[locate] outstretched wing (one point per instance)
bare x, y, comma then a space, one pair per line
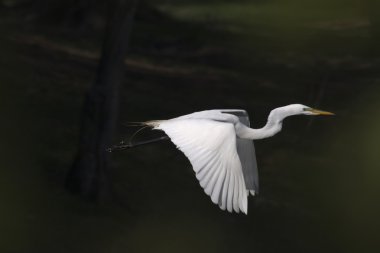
211, 148
246, 151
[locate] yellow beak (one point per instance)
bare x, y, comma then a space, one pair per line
319, 112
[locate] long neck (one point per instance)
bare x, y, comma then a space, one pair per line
272, 127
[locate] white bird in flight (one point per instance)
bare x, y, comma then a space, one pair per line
219, 145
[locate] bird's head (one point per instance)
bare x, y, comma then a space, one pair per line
307, 110
298, 109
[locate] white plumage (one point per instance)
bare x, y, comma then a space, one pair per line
209, 140
211, 148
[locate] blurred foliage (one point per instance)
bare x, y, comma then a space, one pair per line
319, 177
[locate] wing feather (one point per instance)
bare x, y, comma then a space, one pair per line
230, 192
211, 148
236, 194
211, 184
217, 191
204, 173
246, 152
210, 170
223, 199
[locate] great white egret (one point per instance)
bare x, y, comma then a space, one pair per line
218, 144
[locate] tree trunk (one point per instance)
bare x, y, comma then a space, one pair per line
88, 175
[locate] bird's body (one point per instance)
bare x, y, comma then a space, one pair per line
211, 140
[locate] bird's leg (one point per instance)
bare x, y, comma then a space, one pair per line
122, 145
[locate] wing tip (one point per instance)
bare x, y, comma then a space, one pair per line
243, 210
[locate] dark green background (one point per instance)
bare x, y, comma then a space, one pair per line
320, 177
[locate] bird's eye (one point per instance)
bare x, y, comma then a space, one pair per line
306, 109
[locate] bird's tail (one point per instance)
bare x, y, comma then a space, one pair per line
151, 123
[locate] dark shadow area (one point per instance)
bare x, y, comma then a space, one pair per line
319, 177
